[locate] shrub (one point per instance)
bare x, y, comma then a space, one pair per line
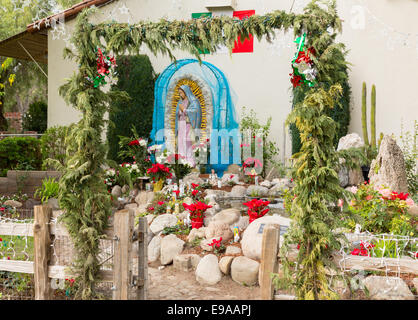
381, 211
35, 119
137, 78
20, 153
49, 189
270, 150
53, 145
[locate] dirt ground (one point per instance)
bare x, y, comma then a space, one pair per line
171, 284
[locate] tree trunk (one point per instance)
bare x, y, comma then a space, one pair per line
3, 121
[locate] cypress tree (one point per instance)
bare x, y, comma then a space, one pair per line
136, 77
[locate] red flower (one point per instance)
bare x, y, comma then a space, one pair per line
194, 185
160, 203
400, 196
1, 239
256, 208
151, 208
298, 246
177, 192
216, 243
2, 209
195, 192
295, 80
134, 143
8, 258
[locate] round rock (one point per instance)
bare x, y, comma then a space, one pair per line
253, 236
207, 271
245, 271
162, 221
170, 247
228, 216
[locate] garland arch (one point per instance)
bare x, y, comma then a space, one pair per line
84, 197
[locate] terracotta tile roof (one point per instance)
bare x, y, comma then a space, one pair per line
12, 115
69, 14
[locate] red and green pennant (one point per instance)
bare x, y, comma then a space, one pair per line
240, 46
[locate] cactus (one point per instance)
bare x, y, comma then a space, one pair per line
364, 114
373, 117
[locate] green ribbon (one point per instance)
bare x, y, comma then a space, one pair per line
300, 41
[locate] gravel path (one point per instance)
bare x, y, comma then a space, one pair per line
171, 284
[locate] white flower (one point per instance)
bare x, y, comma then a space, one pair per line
135, 167
142, 142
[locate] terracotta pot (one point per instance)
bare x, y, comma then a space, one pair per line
197, 224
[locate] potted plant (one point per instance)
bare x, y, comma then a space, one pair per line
158, 173
256, 208
197, 213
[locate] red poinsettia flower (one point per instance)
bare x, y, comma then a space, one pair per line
134, 143
216, 243
195, 192
256, 208
160, 203
177, 192
151, 209
194, 185
2, 209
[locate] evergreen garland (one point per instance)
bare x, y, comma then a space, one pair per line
84, 196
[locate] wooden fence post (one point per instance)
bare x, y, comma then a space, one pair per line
122, 260
142, 280
42, 241
269, 263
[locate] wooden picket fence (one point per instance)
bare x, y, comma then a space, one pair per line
270, 263
128, 273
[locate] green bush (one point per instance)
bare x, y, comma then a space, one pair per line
35, 119
53, 146
137, 78
20, 153
49, 189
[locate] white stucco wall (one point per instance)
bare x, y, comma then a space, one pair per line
261, 79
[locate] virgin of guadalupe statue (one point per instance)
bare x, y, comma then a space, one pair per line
188, 122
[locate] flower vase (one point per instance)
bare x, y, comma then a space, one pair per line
158, 186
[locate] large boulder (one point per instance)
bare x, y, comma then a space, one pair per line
352, 140
233, 169
252, 237
196, 233
266, 184
229, 177
238, 191
219, 229
387, 288
170, 247
257, 191
144, 197
116, 191
207, 271
232, 250
16, 204
228, 216
225, 264
193, 178
388, 168
162, 221
350, 177
154, 249
245, 271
